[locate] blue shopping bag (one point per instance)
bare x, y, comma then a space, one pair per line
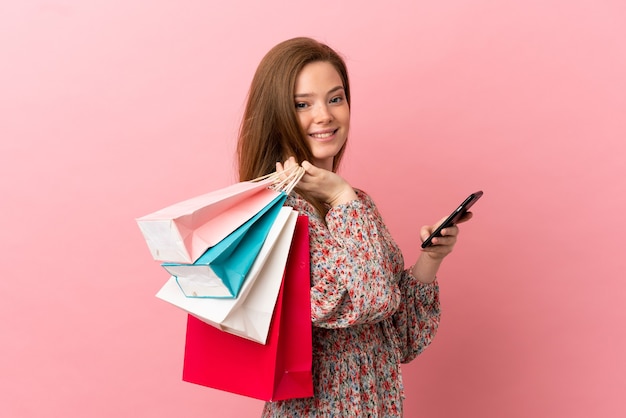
221, 271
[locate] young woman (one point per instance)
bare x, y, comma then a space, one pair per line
369, 314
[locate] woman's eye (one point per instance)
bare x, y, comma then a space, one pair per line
301, 105
337, 99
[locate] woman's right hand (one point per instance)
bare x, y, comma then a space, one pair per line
321, 184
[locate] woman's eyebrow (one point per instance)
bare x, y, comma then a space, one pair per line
334, 89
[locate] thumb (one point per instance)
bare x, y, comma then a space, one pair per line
425, 232
308, 167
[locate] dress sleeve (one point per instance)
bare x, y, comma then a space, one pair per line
354, 268
417, 318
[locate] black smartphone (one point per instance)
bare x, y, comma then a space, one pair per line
454, 217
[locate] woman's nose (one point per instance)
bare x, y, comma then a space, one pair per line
323, 114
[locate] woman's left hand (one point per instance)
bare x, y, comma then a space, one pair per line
428, 263
443, 245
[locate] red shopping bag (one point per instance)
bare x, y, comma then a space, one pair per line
280, 369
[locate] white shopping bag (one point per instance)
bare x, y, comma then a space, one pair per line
249, 315
182, 232
222, 270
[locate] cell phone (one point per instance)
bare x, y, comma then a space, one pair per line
454, 217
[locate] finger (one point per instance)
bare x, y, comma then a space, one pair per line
308, 167
466, 217
279, 166
290, 164
444, 242
447, 236
441, 245
451, 231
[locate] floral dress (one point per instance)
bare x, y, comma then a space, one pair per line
368, 313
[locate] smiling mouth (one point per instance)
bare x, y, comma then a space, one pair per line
323, 135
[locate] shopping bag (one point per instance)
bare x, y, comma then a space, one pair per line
278, 370
249, 315
182, 232
221, 270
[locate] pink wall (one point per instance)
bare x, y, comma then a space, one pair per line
112, 109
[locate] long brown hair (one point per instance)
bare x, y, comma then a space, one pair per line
270, 130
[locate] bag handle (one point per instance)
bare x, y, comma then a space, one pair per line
286, 180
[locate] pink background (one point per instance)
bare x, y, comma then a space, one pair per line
110, 109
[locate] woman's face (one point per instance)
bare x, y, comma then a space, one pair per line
323, 111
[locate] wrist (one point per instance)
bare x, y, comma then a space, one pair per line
343, 196
425, 269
